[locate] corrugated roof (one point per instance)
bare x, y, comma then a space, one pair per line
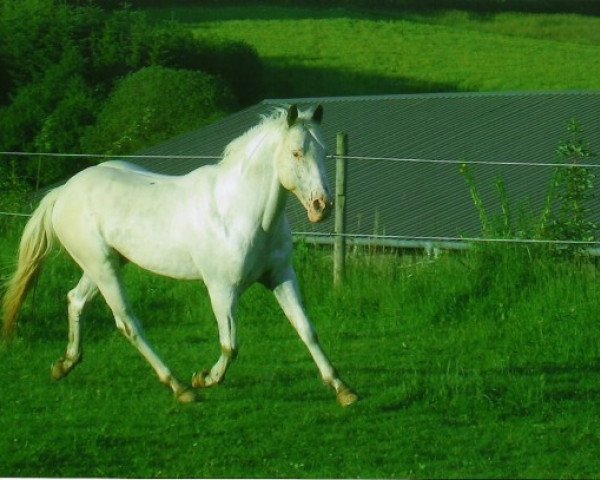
420, 199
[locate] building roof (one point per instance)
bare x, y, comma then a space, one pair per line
412, 200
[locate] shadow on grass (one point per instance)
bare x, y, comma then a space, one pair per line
282, 81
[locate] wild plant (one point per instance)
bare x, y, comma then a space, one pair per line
566, 214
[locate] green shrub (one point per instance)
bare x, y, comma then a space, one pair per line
47, 116
236, 63
62, 64
119, 48
5, 80
154, 104
128, 42
37, 34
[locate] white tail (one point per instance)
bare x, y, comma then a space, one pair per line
36, 243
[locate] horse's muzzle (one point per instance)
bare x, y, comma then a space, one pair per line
319, 209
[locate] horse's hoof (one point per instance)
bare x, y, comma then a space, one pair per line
187, 396
61, 368
58, 370
199, 379
346, 397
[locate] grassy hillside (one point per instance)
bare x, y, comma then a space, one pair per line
312, 52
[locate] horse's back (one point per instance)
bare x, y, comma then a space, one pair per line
144, 216
133, 170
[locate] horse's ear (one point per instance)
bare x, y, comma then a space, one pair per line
292, 115
318, 114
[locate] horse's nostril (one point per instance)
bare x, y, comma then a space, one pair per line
318, 209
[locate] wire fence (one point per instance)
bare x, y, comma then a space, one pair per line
333, 156
438, 239
468, 162
326, 237
107, 156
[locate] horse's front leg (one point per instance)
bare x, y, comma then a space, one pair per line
224, 303
288, 295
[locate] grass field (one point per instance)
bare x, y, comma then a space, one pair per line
483, 364
311, 52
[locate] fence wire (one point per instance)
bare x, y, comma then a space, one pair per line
108, 156
466, 162
365, 237
434, 239
333, 156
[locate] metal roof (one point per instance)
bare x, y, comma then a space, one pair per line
412, 199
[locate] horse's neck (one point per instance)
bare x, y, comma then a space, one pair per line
250, 189
275, 204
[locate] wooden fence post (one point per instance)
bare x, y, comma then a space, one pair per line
339, 246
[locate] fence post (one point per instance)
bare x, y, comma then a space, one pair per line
339, 246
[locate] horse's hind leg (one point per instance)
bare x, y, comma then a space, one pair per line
101, 266
83, 292
107, 278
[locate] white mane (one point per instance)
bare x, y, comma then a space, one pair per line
271, 126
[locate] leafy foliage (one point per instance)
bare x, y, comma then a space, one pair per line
573, 186
64, 70
154, 104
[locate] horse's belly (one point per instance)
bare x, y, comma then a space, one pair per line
158, 244
142, 218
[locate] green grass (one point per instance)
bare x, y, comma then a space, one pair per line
484, 365
563, 28
345, 52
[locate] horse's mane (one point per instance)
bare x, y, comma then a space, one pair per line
270, 126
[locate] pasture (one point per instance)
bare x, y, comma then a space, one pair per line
478, 364
321, 52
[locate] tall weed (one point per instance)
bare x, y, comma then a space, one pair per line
566, 215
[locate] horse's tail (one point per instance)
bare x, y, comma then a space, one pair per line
36, 243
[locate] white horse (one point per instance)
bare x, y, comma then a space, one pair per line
223, 224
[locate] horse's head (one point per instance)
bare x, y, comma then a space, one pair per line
300, 162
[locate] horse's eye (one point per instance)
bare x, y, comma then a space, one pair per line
297, 154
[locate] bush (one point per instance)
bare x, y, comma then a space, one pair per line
154, 104
128, 42
239, 65
5, 79
118, 48
236, 63
37, 34
47, 116
59, 64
